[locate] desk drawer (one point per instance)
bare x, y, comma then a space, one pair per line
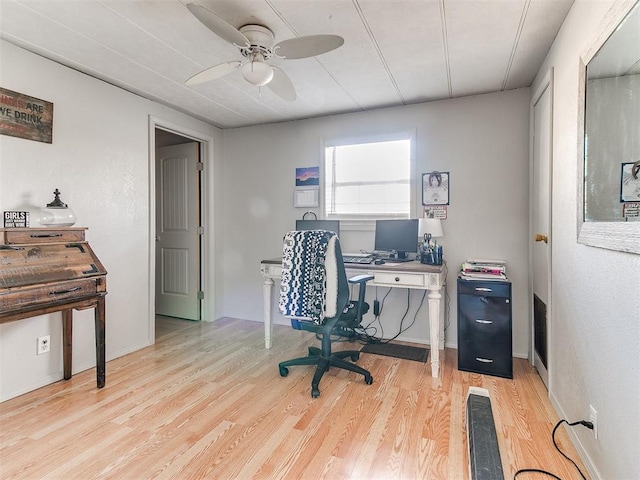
15, 298
398, 279
271, 270
29, 236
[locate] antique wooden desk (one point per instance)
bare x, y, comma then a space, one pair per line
46, 270
396, 275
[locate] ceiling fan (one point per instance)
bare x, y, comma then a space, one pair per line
256, 44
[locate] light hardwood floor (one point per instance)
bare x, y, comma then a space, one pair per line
207, 402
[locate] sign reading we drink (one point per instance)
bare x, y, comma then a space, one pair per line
25, 117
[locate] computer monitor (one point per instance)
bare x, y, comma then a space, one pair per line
400, 236
331, 225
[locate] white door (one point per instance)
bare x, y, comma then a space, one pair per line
542, 118
177, 231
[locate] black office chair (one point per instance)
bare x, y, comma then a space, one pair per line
315, 295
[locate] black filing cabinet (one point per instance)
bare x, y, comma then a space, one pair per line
484, 327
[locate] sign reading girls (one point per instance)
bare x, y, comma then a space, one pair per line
25, 117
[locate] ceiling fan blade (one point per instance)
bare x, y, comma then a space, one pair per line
218, 26
281, 85
214, 72
308, 46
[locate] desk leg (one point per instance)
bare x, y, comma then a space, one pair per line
434, 330
67, 339
100, 342
268, 326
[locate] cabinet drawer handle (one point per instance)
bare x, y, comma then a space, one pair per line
485, 322
484, 360
61, 292
10, 247
397, 279
483, 289
45, 235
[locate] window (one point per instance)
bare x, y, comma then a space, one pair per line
369, 179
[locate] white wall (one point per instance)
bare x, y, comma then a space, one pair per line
481, 140
99, 159
595, 317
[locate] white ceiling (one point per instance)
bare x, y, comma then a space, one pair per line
396, 52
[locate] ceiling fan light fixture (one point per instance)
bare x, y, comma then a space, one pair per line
256, 44
257, 72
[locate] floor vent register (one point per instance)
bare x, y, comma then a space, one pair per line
484, 453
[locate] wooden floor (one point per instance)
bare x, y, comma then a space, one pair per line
207, 402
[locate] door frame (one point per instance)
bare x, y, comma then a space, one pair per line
546, 84
207, 263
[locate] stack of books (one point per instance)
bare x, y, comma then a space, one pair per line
484, 270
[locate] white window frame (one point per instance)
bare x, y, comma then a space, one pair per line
368, 222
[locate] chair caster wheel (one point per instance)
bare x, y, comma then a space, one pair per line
284, 371
368, 379
315, 392
355, 357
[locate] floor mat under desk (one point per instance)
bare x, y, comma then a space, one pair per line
406, 352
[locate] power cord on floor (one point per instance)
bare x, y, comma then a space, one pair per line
584, 423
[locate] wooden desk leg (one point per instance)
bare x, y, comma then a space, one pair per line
67, 340
434, 330
100, 342
268, 326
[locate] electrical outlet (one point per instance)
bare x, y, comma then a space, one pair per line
44, 344
593, 418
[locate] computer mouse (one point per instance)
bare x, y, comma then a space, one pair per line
379, 261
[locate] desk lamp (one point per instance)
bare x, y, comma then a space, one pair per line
429, 228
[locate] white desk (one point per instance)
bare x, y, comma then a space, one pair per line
401, 275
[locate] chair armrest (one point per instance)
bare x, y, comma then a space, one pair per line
362, 281
361, 278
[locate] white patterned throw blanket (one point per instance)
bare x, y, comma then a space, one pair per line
309, 282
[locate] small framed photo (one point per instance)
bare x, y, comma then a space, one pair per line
630, 182
435, 188
308, 177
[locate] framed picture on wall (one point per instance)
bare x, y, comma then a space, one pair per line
630, 182
435, 188
308, 177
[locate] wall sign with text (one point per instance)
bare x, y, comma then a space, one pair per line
16, 219
27, 117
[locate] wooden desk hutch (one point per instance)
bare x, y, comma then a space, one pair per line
46, 270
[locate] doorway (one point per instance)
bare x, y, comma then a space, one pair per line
541, 225
179, 230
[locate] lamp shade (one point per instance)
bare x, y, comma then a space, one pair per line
431, 226
256, 72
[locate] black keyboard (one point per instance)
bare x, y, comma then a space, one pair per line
362, 260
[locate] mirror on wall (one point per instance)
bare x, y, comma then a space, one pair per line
610, 178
